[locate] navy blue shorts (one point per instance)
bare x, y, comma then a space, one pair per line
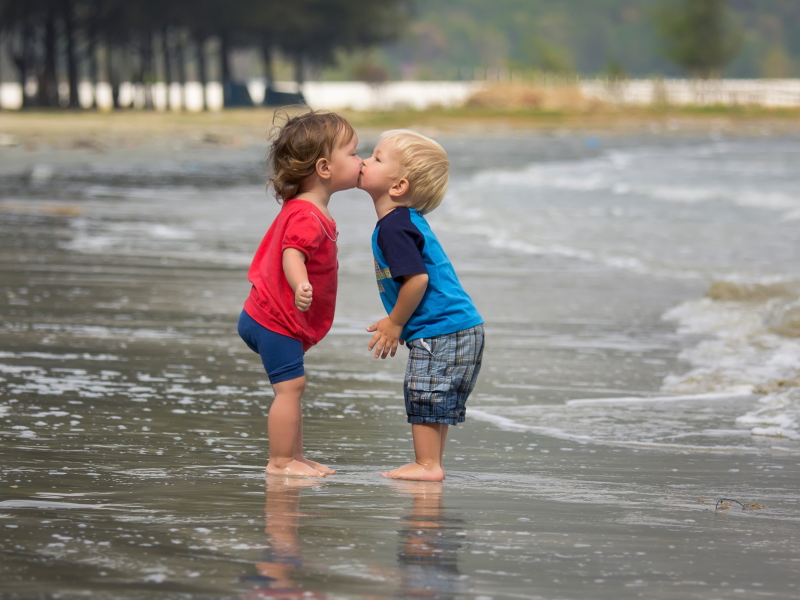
281, 355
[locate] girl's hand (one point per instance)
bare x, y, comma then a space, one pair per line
302, 296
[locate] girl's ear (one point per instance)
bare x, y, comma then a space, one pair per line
399, 188
323, 168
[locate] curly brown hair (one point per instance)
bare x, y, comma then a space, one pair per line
298, 144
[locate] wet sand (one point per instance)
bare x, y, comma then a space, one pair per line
133, 433
124, 132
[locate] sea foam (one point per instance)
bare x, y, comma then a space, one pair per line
754, 346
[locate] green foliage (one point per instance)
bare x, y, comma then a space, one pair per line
552, 58
578, 36
614, 69
459, 38
699, 35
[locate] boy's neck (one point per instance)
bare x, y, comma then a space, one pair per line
386, 204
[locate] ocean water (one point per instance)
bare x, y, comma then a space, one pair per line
642, 306
724, 214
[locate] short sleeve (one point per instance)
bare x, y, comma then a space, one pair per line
303, 232
402, 243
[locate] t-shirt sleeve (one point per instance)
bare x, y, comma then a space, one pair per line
303, 232
402, 243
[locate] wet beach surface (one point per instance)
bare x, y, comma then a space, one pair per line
598, 441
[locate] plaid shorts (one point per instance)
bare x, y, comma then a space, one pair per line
440, 375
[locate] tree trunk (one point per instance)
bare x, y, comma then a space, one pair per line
48, 80
299, 75
181, 67
224, 50
20, 62
147, 68
1, 67
266, 56
167, 62
113, 76
72, 67
93, 70
201, 68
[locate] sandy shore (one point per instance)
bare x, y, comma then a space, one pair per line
104, 132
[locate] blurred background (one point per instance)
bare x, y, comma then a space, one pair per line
209, 54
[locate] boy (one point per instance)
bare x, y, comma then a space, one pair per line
428, 309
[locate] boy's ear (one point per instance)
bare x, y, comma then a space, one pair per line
399, 188
323, 168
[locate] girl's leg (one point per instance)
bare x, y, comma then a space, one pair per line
428, 448
283, 423
298, 453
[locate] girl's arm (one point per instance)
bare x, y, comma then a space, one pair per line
388, 330
294, 267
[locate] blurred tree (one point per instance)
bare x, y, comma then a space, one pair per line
552, 58
312, 30
701, 36
777, 63
614, 69
48, 77
371, 72
117, 37
68, 16
16, 19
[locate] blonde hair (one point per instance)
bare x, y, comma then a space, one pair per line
298, 144
424, 164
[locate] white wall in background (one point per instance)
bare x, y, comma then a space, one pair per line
394, 94
771, 93
214, 96
103, 93
10, 96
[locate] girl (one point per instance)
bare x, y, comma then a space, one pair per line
294, 272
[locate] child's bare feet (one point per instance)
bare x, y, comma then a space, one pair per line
293, 469
316, 466
416, 472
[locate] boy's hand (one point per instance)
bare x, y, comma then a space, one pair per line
386, 338
302, 296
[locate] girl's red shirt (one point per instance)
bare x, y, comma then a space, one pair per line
299, 225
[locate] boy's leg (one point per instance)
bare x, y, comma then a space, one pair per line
298, 453
428, 447
283, 423
442, 442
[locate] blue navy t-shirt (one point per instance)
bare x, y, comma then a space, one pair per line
403, 244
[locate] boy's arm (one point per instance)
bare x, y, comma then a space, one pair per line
388, 330
294, 267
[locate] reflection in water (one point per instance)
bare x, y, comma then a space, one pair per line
429, 544
427, 557
283, 555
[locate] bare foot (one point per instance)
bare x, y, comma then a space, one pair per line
416, 472
316, 466
293, 469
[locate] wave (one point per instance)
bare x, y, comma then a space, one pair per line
690, 422
754, 347
741, 395
668, 175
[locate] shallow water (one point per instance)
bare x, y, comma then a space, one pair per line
616, 404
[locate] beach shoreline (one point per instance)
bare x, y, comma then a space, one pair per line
99, 132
